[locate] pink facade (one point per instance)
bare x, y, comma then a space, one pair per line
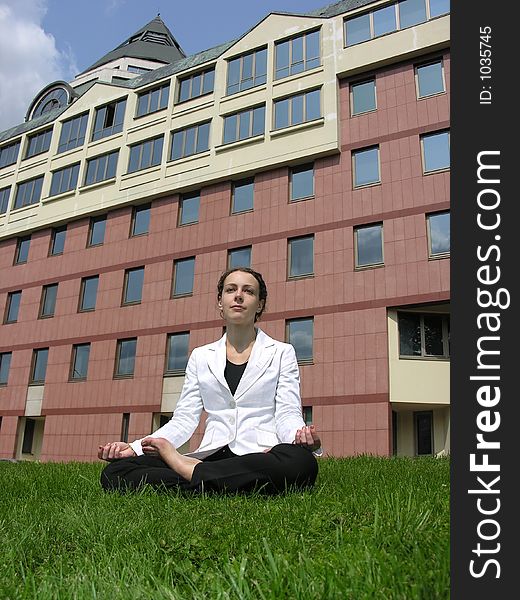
347, 384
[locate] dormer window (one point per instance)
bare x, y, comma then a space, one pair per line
55, 95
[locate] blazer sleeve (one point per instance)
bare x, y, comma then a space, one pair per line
186, 416
288, 404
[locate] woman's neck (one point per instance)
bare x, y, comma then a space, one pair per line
240, 338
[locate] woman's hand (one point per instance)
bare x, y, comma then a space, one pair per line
115, 451
308, 438
156, 445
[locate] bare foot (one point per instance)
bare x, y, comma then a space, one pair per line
183, 465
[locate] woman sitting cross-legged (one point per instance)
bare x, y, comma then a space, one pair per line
249, 385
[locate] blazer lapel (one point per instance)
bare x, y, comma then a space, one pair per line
217, 360
261, 356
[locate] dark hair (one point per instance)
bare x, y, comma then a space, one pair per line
262, 295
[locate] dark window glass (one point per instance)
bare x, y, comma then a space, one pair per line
245, 124
125, 426
297, 54
363, 97
297, 109
411, 12
4, 199
9, 154
409, 334
424, 335
48, 300
183, 275
430, 80
73, 133
22, 250
109, 119
189, 209
433, 339
153, 100
28, 192
38, 143
247, 71
301, 256
125, 361
79, 362
423, 432
384, 20
191, 140
96, 235
101, 168
177, 352
439, 233
28, 436
369, 245
64, 180
243, 195
307, 415
239, 257
366, 166
196, 85
439, 7
88, 293
39, 365
300, 333
58, 241
133, 286
140, 220
146, 154
302, 182
5, 363
12, 307
357, 30
436, 149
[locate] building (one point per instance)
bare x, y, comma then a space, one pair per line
315, 148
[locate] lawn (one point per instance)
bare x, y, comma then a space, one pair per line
371, 528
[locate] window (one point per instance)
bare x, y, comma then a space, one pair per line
307, 415
5, 363
4, 199
301, 182
139, 71
196, 85
357, 30
368, 244
64, 180
301, 256
12, 307
73, 133
96, 232
109, 119
438, 226
125, 426
22, 250
101, 168
297, 54
39, 365
439, 7
245, 124
366, 166
384, 20
38, 143
297, 109
430, 79
125, 357
133, 286
189, 208
140, 220
79, 362
423, 425
177, 353
247, 71
191, 140
300, 333
28, 192
424, 335
183, 275
57, 241
9, 154
48, 300
153, 100
242, 196
88, 293
146, 154
28, 436
436, 151
411, 12
363, 97
239, 257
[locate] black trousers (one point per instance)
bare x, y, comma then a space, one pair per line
284, 466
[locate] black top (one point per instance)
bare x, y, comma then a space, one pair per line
233, 373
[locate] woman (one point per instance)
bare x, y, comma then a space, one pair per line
249, 386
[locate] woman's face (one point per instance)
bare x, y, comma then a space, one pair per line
240, 298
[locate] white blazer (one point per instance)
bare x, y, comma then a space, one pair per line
265, 410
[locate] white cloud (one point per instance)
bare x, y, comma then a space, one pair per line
30, 58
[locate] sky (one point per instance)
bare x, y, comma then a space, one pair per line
42, 41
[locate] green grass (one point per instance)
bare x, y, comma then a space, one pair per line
371, 528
